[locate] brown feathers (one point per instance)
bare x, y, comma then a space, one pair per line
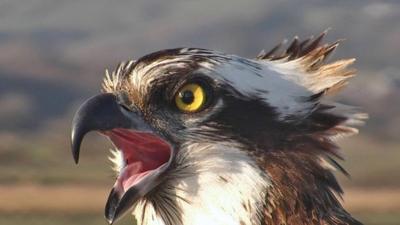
304, 189
306, 62
298, 49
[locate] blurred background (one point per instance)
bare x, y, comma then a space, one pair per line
53, 55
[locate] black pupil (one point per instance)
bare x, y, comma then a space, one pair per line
187, 97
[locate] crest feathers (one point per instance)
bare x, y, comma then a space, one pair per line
305, 62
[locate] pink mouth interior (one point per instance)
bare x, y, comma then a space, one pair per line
142, 152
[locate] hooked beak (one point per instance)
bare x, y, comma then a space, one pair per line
146, 155
100, 113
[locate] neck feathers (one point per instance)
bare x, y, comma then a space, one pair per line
213, 184
304, 190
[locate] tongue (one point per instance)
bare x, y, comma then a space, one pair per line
131, 175
143, 152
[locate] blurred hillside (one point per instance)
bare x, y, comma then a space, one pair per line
53, 55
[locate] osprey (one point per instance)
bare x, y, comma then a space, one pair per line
202, 137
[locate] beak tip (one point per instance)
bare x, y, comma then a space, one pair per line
76, 160
110, 221
75, 146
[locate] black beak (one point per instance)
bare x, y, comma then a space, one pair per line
99, 113
102, 113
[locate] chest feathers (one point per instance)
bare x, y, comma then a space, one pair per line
212, 184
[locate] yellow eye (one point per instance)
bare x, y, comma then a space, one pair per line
190, 98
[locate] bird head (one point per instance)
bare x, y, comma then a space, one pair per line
193, 128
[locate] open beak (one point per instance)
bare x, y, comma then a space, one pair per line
146, 155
